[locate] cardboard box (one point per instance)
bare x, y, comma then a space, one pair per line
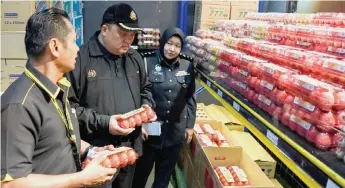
220, 113
245, 3
211, 12
15, 46
196, 150
231, 157
203, 25
255, 151
239, 12
276, 183
13, 62
11, 72
15, 14
189, 173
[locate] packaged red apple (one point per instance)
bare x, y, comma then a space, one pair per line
220, 139
225, 176
240, 74
311, 90
323, 141
136, 118
249, 63
202, 33
274, 73
239, 175
208, 129
213, 47
245, 44
206, 141
224, 66
229, 55
331, 69
120, 157
197, 129
266, 104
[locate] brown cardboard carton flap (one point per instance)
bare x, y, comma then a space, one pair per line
255, 151
234, 156
15, 46
220, 113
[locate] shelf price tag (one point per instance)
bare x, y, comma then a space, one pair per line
236, 106
272, 137
208, 83
331, 184
220, 93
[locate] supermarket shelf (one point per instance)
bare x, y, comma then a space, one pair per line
314, 167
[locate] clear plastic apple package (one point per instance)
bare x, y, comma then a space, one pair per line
119, 157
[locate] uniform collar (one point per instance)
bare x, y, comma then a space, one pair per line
95, 47
172, 65
44, 82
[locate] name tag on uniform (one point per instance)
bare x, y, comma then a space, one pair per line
182, 73
153, 128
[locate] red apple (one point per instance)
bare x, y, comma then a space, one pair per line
285, 119
277, 113
131, 122
115, 161
124, 123
132, 156
123, 159
106, 163
150, 114
336, 138
323, 141
327, 121
289, 99
339, 100
137, 119
143, 117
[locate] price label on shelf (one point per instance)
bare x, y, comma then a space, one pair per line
236, 106
331, 184
220, 93
272, 137
208, 83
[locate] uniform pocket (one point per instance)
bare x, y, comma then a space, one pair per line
181, 79
156, 77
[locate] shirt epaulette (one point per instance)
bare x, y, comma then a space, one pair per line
147, 54
184, 56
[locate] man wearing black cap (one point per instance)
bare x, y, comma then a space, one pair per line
110, 78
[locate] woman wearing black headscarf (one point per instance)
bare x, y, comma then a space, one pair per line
173, 85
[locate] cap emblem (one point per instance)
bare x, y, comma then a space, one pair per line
132, 15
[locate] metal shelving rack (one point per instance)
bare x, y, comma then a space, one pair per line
297, 160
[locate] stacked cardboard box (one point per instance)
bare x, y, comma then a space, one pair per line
208, 12
239, 9
14, 17
200, 161
243, 151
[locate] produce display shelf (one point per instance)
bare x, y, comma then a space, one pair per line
314, 167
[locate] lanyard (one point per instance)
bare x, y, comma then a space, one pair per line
67, 123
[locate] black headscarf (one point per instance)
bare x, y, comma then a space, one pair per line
168, 33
